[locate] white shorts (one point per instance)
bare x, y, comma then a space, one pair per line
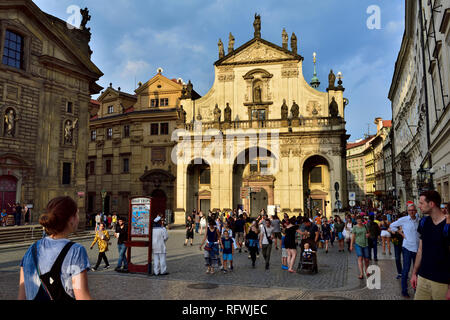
284, 253
385, 234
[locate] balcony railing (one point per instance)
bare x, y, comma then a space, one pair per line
321, 123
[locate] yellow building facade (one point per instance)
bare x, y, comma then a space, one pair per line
262, 126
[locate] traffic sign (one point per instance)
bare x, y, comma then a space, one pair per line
352, 203
336, 186
338, 205
352, 196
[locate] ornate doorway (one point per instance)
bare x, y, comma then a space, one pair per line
159, 203
8, 188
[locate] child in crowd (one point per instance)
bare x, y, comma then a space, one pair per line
228, 251
3, 218
284, 254
307, 252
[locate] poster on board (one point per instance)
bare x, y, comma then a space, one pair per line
140, 217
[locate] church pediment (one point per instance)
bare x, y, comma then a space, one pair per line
258, 51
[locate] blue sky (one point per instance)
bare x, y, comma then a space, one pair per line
132, 38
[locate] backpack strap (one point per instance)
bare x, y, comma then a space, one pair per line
56, 268
36, 264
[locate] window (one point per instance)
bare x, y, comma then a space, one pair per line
69, 107
164, 102
164, 129
13, 50
108, 166
205, 176
126, 165
155, 103
316, 175
154, 129
67, 168
110, 109
254, 168
126, 131
92, 167
93, 135
264, 166
109, 133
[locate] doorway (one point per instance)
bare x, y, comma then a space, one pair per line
8, 187
259, 201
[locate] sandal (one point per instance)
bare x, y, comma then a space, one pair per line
291, 271
361, 277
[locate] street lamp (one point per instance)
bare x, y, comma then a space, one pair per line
103, 193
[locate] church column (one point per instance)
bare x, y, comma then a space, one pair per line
181, 191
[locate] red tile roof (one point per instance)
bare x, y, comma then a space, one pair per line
387, 123
351, 145
95, 102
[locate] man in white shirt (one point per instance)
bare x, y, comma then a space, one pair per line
159, 238
411, 241
265, 240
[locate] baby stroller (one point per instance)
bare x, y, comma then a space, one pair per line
308, 261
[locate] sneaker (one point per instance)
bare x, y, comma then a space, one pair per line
107, 267
225, 271
399, 277
118, 269
285, 267
93, 269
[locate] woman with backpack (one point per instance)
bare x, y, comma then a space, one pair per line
54, 268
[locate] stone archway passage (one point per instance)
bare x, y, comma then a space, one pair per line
158, 204
8, 189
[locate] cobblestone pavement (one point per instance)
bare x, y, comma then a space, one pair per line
337, 277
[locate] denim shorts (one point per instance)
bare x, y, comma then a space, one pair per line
362, 251
227, 257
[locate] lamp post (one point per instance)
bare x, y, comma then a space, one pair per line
425, 179
103, 193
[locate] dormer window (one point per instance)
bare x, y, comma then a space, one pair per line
13, 50
110, 109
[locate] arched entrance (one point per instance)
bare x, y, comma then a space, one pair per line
317, 186
8, 189
253, 180
159, 203
198, 193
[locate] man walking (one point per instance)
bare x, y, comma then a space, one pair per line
374, 231
409, 225
18, 214
159, 238
122, 236
431, 274
265, 241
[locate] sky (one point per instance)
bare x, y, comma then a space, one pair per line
131, 39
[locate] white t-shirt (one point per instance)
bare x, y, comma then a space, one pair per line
268, 230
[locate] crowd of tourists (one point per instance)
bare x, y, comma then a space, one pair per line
21, 214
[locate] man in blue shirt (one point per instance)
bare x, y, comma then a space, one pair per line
431, 274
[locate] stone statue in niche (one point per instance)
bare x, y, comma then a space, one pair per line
182, 115
217, 113
295, 110
257, 94
334, 108
227, 113
284, 110
10, 123
69, 127
221, 49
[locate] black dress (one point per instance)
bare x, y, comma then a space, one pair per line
289, 241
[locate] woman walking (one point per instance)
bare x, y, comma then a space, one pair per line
251, 242
326, 234
339, 229
360, 241
202, 223
189, 231
348, 231
54, 268
102, 240
212, 239
289, 243
385, 235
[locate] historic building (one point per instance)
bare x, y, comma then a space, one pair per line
356, 168
46, 82
262, 136
130, 146
420, 101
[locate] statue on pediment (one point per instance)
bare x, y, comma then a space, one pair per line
221, 49
295, 110
331, 80
284, 110
231, 43
217, 113
227, 113
85, 18
285, 38
294, 43
257, 26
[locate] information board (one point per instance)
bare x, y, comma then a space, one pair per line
140, 217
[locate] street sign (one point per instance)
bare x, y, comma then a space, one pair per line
338, 205
352, 203
352, 196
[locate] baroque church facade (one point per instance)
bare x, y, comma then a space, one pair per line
46, 82
262, 136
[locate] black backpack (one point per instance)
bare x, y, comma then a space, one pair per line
51, 285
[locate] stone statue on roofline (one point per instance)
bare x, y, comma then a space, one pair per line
331, 80
231, 43
284, 110
221, 49
257, 26
285, 38
85, 18
227, 113
217, 113
295, 110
